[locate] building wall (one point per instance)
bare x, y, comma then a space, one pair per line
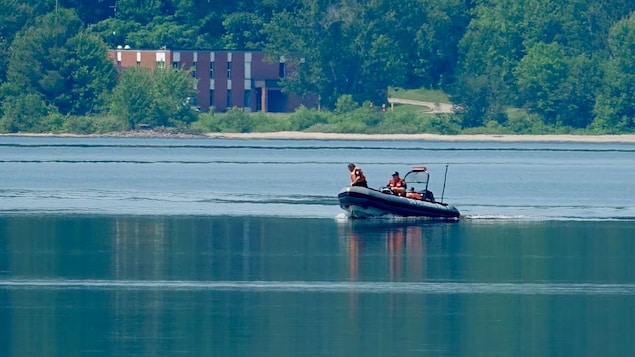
225, 79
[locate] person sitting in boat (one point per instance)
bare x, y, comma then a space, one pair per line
397, 185
413, 194
357, 176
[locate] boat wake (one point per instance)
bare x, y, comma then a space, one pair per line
484, 218
93, 201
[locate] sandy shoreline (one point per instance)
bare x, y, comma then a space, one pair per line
630, 138
294, 135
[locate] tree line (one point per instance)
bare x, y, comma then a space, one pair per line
560, 63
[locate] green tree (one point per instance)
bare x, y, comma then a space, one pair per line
66, 66
93, 75
24, 113
116, 32
503, 33
141, 11
580, 90
173, 93
433, 50
13, 15
476, 98
159, 97
488, 53
343, 48
132, 97
92, 11
162, 31
541, 74
579, 26
615, 105
212, 22
559, 88
244, 31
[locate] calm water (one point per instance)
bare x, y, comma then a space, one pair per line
238, 248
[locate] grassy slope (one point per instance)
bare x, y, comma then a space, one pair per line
426, 95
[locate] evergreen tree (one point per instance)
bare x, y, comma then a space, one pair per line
66, 66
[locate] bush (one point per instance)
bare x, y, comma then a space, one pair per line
25, 113
238, 121
521, 122
347, 123
207, 122
345, 104
446, 124
79, 125
304, 118
399, 123
53, 123
262, 122
235, 120
109, 124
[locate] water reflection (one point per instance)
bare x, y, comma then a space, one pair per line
389, 252
403, 244
270, 286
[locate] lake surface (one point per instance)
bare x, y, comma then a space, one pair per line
121, 246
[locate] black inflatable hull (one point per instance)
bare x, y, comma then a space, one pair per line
361, 202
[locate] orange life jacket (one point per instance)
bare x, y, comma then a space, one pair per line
357, 172
396, 183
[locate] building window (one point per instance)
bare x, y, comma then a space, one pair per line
138, 63
176, 65
211, 98
118, 63
282, 70
229, 98
195, 69
247, 101
229, 69
211, 70
160, 65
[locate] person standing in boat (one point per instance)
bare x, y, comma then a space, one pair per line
357, 176
397, 185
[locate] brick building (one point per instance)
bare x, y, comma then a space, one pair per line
225, 79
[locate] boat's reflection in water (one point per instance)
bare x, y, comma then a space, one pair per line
392, 249
391, 254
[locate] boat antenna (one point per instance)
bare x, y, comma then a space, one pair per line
444, 179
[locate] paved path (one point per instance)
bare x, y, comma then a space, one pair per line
434, 107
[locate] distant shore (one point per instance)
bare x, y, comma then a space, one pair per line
296, 135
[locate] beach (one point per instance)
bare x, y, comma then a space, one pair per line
287, 135
298, 135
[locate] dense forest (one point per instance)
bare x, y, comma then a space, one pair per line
537, 63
